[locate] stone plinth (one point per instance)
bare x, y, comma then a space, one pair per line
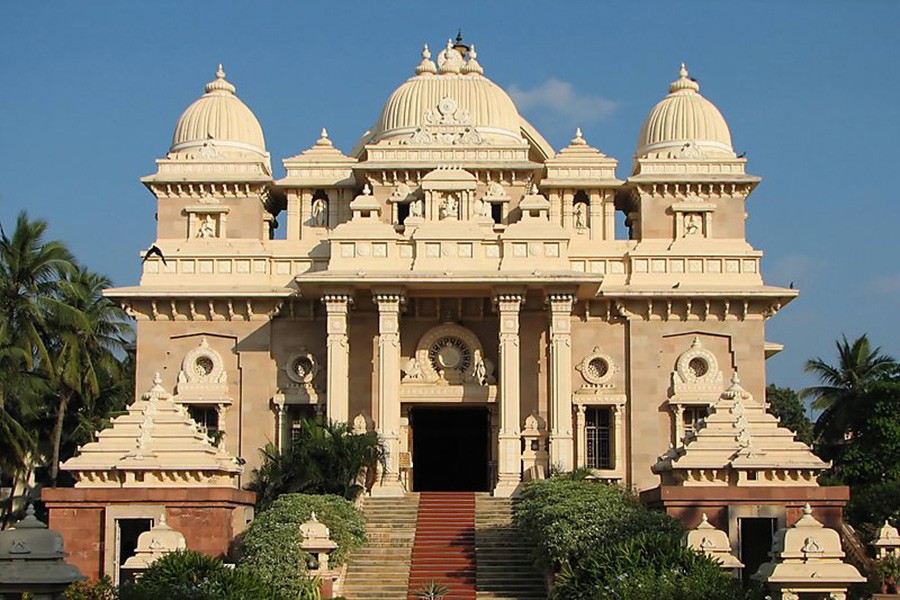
209, 519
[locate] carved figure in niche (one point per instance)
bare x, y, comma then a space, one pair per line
482, 208
581, 215
412, 370
207, 228
450, 207
692, 224
319, 212
480, 373
417, 208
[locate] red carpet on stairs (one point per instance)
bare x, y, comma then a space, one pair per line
444, 547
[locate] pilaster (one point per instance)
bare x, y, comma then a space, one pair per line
337, 308
562, 445
581, 431
509, 470
388, 423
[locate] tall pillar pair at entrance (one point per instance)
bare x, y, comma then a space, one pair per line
337, 308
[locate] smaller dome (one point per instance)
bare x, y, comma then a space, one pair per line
218, 118
684, 124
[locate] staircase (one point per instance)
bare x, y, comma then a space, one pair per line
444, 549
505, 569
465, 541
380, 569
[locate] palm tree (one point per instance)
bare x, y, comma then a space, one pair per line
90, 337
30, 270
842, 387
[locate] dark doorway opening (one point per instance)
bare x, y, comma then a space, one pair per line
128, 531
450, 449
756, 543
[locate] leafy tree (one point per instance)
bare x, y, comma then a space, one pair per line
325, 458
872, 451
785, 404
859, 366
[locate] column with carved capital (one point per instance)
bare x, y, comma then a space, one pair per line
509, 467
562, 443
581, 435
619, 440
678, 412
337, 308
388, 424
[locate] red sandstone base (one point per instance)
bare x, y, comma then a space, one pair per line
688, 504
209, 518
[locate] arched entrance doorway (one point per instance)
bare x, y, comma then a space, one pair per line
450, 449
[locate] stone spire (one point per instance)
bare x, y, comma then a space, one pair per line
156, 444
427, 66
740, 444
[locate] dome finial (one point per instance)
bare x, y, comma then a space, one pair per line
324, 134
323, 138
219, 84
426, 66
472, 65
684, 83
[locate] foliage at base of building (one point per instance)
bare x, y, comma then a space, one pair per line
270, 549
599, 543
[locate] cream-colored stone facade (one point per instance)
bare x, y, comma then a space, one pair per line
451, 259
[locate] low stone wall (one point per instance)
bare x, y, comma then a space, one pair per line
209, 519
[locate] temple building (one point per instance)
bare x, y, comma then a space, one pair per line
461, 288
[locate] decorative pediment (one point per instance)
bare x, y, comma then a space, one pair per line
597, 369
202, 376
446, 124
447, 354
697, 372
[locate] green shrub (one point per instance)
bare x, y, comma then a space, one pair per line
101, 589
270, 549
565, 517
188, 575
323, 458
649, 566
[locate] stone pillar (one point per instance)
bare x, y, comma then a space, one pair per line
581, 434
337, 308
388, 422
562, 443
280, 413
292, 220
609, 217
618, 440
678, 412
509, 470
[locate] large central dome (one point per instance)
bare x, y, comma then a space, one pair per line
451, 102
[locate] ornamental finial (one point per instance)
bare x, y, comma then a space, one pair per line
426, 66
472, 52
426, 53
807, 510
367, 191
157, 379
324, 134
683, 72
684, 83
578, 140
220, 72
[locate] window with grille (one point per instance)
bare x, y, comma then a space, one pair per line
206, 417
297, 414
599, 436
692, 416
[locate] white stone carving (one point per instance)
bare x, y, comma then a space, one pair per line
320, 212
302, 367
693, 224
417, 208
580, 212
697, 371
412, 371
448, 353
597, 368
449, 207
207, 227
446, 124
202, 375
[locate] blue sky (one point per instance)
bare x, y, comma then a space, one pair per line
90, 94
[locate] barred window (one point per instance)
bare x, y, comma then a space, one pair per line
207, 417
598, 432
692, 416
